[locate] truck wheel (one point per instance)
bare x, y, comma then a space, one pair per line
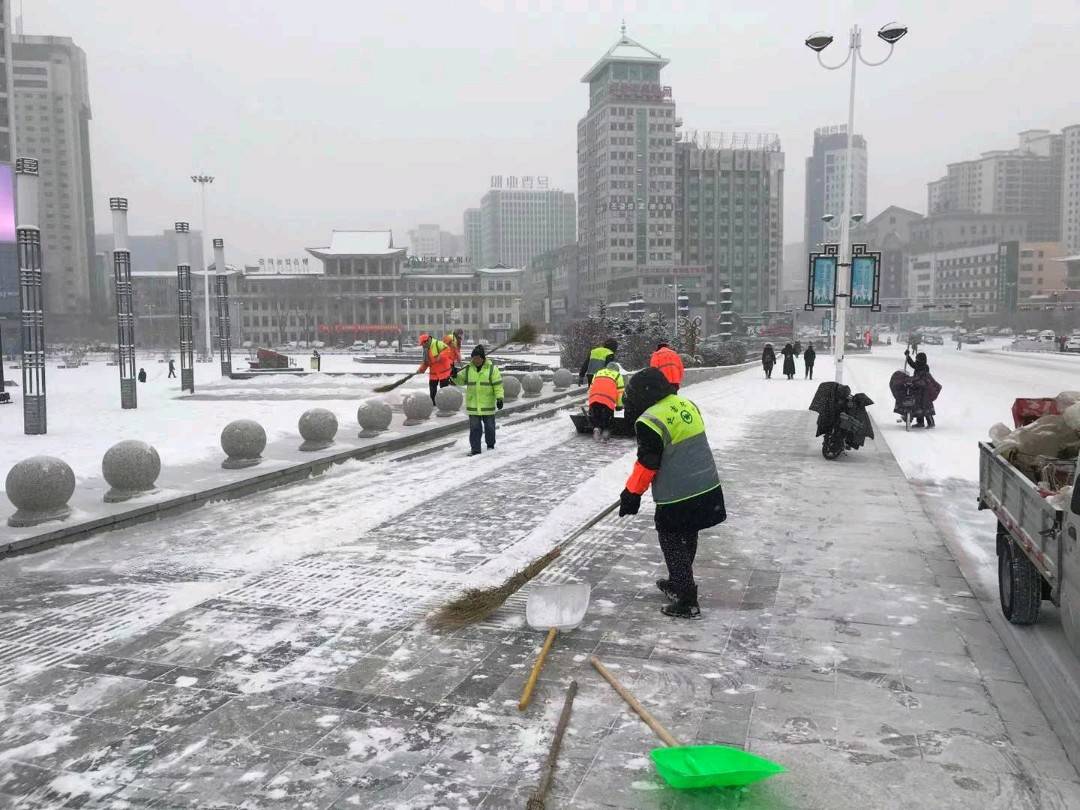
1019, 585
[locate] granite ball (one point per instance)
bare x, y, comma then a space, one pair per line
417, 407
511, 388
40, 488
532, 385
563, 379
130, 467
317, 427
448, 401
374, 416
243, 442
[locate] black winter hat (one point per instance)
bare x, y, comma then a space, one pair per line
478, 351
645, 389
611, 344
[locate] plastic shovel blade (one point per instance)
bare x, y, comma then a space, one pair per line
559, 606
701, 766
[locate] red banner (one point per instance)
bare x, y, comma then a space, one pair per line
358, 329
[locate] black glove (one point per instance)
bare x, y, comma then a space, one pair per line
498, 404
629, 503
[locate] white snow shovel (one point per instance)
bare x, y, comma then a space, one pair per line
552, 608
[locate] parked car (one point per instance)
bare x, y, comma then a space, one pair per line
973, 337
933, 339
1047, 336
1073, 343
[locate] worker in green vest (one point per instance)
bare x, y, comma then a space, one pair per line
598, 358
483, 396
674, 458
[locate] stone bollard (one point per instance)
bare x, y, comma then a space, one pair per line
448, 401
418, 408
563, 379
39, 487
318, 427
130, 467
511, 388
374, 416
532, 385
243, 442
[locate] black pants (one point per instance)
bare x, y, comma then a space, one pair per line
600, 415
768, 372
809, 371
435, 385
172, 373
481, 426
679, 550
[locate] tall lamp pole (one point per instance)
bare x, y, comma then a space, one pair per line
890, 33
203, 180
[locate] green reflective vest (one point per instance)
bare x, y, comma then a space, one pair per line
687, 467
598, 358
482, 387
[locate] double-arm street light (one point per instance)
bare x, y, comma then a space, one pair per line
890, 34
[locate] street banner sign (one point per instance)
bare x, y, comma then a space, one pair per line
821, 278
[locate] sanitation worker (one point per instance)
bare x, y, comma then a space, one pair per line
669, 363
675, 459
598, 358
453, 340
437, 363
483, 396
605, 397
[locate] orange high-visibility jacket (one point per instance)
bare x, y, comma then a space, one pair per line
607, 389
437, 360
669, 363
455, 348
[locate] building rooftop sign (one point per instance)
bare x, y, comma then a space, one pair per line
528, 182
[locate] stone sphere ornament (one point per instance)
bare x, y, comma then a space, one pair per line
563, 379
511, 388
532, 385
374, 416
130, 467
448, 400
40, 488
418, 408
318, 427
243, 442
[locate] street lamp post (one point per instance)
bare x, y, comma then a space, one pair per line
890, 34
203, 180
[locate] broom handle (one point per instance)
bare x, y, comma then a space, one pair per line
633, 703
556, 744
526, 695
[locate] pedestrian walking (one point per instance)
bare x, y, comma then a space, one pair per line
142, 375
1062, 341
668, 361
483, 385
959, 341
605, 397
768, 360
436, 363
798, 347
789, 361
172, 369
598, 358
809, 356
674, 458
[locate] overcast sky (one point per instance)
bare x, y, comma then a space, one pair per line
368, 114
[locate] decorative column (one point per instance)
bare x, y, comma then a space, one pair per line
28, 236
726, 307
125, 311
183, 283
221, 288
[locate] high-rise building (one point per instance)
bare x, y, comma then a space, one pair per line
826, 170
1070, 189
432, 242
473, 236
7, 91
626, 175
52, 119
519, 224
729, 215
1026, 180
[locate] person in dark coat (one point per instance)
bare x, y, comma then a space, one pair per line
798, 348
809, 356
789, 361
688, 493
142, 375
768, 360
172, 368
927, 385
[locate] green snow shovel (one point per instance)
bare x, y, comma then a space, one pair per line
695, 766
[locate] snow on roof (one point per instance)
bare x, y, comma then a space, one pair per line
496, 270
358, 243
625, 50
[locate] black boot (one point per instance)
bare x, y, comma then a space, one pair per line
683, 607
929, 421
665, 588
